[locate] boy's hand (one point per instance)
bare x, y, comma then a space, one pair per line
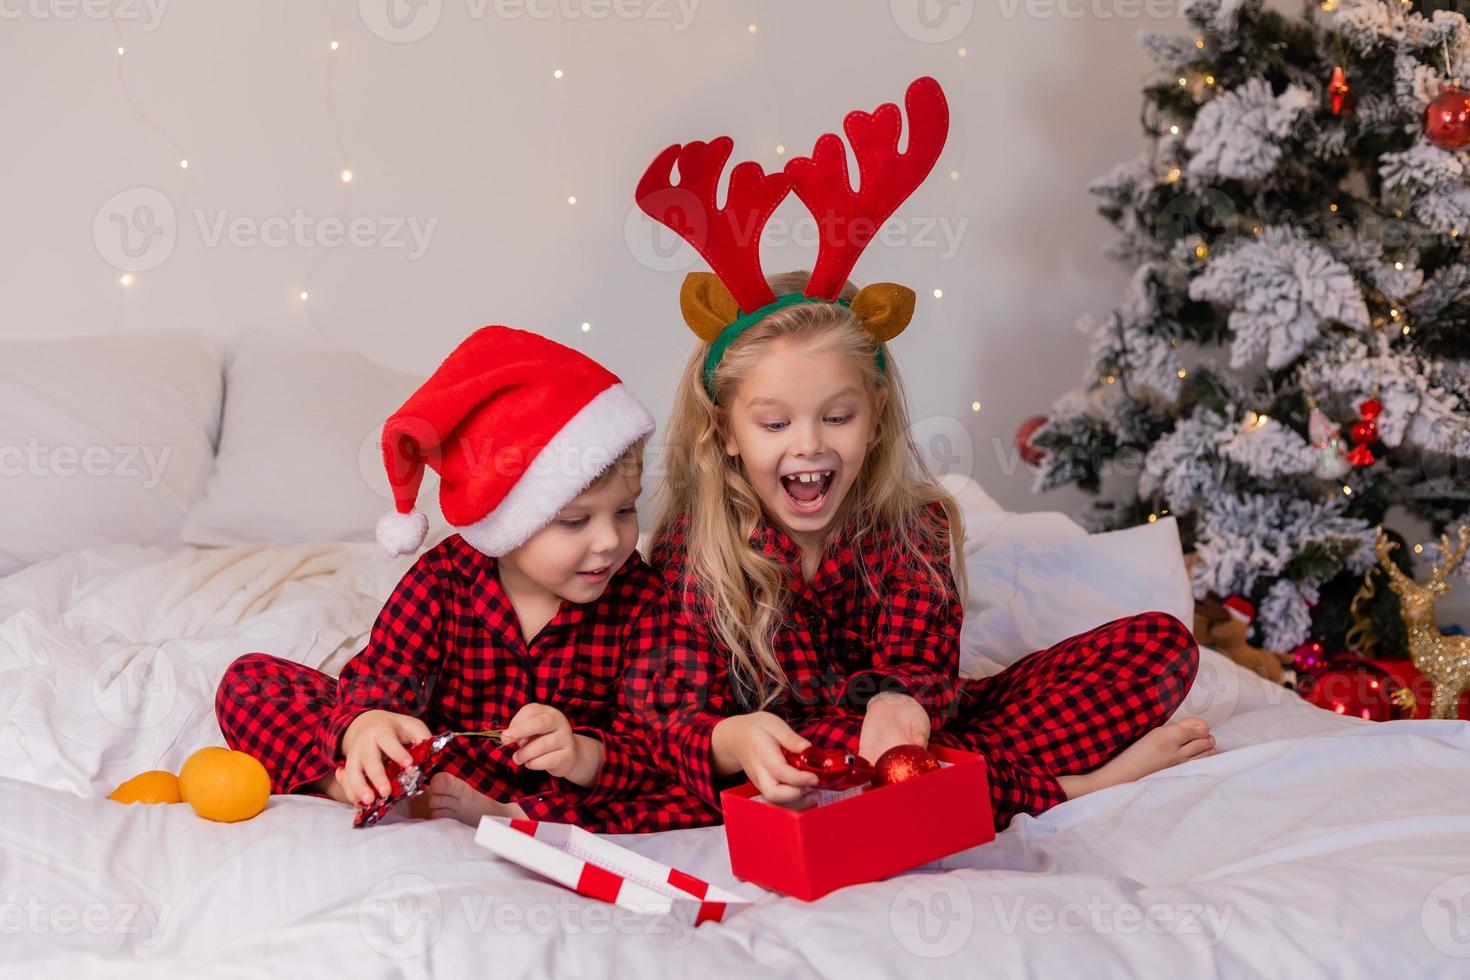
892, 719
547, 743
371, 736
753, 743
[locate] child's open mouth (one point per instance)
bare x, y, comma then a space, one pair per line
807, 492
596, 575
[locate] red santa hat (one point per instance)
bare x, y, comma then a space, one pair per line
516, 426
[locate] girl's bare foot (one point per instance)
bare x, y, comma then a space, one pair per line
1165, 746
450, 796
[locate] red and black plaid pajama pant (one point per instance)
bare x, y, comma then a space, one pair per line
1069, 709
277, 710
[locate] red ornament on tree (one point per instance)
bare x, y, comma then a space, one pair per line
902, 763
1029, 453
1365, 433
1447, 119
1339, 94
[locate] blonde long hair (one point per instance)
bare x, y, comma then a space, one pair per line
742, 590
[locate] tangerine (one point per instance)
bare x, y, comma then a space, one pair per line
153, 786
224, 785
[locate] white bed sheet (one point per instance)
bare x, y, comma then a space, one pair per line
1310, 845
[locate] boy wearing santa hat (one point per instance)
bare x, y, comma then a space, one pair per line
516, 622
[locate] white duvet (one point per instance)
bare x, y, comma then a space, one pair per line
1310, 845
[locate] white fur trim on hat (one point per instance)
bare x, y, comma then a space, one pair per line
589, 443
400, 534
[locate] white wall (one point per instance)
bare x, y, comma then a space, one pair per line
467, 132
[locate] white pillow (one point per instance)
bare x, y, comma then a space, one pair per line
298, 455
1036, 579
102, 440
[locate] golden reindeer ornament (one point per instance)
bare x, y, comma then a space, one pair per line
1444, 660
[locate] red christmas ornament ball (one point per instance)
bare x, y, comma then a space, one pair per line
1029, 453
1359, 689
1371, 409
834, 768
902, 763
1365, 431
1447, 119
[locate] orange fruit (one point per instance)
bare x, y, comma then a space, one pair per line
195, 763
225, 785
153, 786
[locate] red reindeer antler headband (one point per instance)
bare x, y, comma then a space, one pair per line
719, 307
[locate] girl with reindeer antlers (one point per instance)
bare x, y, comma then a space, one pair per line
804, 548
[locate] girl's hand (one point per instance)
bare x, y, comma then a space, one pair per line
753, 743
371, 736
547, 743
892, 719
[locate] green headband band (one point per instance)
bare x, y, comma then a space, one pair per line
745, 321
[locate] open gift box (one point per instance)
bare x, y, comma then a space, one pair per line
862, 837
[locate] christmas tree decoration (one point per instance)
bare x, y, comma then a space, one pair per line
1028, 451
1447, 119
834, 768
1361, 689
1339, 94
902, 763
1326, 439
1444, 660
1298, 244
1365, 433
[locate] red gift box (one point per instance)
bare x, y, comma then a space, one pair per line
1423, 688
865, 837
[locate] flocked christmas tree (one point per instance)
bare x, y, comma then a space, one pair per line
1290, 358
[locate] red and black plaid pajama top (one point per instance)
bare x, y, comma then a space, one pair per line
447, 648
1056, 712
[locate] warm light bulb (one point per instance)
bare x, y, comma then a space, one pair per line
334, 45
974, 406
125, 280
1181, 372
183, 164
1183, 81
1173, 130
347, 176
780, 149
586, 326
1418, 549
1347, 491
572, 199
1172, 175
962, 52
1399, 266
751, 29
303, 296
1153, 518
938, 293
557, 73
1209, 79
954, 175
1332, 208
119, 50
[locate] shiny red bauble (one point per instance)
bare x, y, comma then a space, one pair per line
834, 768
902, 763
1447, 119
1360, 689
